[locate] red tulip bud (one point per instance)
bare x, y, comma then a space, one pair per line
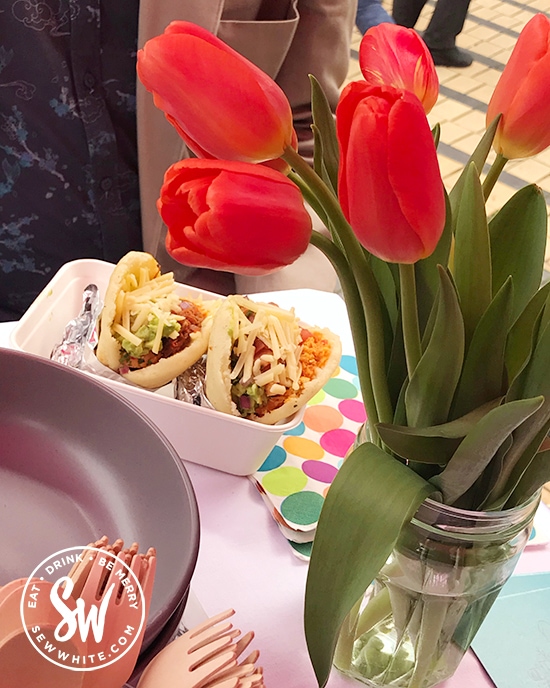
389, 186
221, 104
233, 216
396, 56
522, 94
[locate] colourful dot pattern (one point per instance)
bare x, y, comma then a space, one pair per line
296, 475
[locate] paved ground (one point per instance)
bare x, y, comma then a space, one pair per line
490, 32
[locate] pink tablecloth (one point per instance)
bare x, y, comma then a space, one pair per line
245, 563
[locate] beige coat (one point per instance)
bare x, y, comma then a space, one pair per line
286, 38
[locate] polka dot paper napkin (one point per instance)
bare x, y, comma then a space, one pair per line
295, 477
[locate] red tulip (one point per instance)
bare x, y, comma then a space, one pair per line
233, 216
389, 185
393, 55
522, 94
222, 105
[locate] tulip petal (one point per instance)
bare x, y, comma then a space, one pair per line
375, 215
227, 226
193, 145
529, 49
420, 190
221, 104
396, 215
188, 192
526, 123
396, 56
350, 98
233, 216
522, 94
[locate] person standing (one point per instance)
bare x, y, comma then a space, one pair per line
83, 150
371, 13
446, 22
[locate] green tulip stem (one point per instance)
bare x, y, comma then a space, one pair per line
356, 318
344, 647
409, 316
493, 174
364, 278
309, 197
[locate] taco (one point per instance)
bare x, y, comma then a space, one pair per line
263, 364
149, 332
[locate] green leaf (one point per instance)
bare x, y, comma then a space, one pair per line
527, 442
535, 377
480, 445
533, 380
426, 272
415, 447
429, 328
435, 444
436, 133
432, 386
545, 320
478, 157
383, 284
386, 283
372, 496
483, 374
535, 476
397, 366
324, 123
491, 475
523, 333
518, 241
400, 412
472, 254
318, 162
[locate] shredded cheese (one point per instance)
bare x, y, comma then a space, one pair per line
142, 316
276, 388
130, 336
141, 299
155, 347
143, 276
119, 306
280, 331
269, 375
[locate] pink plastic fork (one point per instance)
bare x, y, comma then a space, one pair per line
21, 664
97, 584
204, 657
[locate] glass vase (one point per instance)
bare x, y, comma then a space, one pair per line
419, 616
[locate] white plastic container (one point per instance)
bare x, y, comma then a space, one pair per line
201, 435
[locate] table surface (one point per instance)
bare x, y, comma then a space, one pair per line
245, 563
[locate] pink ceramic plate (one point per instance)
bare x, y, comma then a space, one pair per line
78, 461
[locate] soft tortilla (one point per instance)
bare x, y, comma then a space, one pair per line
218, 369
108, 347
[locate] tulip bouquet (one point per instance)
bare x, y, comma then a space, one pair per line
450, 323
